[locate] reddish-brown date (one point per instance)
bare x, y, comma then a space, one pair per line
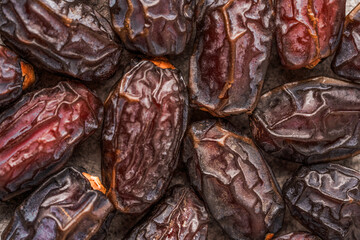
231, 56
346, 62
234, 180
155, 28
66, 206
308, 31
61, 36
325, 198
38, 134
294, 236
15, 76
145, 120
310, 121
181, 215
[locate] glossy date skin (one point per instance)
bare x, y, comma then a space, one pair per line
155, 28
346, 62
234, 180
39, 133
145, 120
61, 36
308, 31
181, 215
15, 76
310, 121
64, 207
296, 236
231, 56
325, 199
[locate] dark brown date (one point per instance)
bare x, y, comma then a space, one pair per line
61, 36
145, 120
38, 134
310, 121
181, 215
234, 180
155, 28
308, 31
325, 198
64, 207
231, 56
346, 62
294, 236
15, 76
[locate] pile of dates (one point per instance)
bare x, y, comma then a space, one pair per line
149, 93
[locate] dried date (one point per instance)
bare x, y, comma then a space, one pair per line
39, 133
15, 76
234, 180
310, 121
231, 56
295, 236
308, 31
145, 120
181, 215
61, 36
155, 28
346, 62
325, 198
66, 206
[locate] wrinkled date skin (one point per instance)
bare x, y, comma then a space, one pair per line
155, 28
181, 215
308, 31
145, 120
231, 56
325, 199
39, 132
64, 207
61, 36
310, 121
234, 180
297, 236
15, 76
346, 62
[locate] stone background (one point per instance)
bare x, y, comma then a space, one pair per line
88, 154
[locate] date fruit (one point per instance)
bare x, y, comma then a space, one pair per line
15, 76
145, 120
61, 36
346, 62
38, 134
325, 198
231, 56
181, 215
295, 236
234, 180
155, 28
308, 31
64, 207
310, 121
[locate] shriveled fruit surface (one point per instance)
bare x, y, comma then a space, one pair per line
309, 121
88, 154
146, 117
